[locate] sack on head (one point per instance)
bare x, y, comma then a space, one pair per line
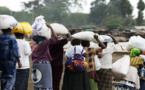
59, 28
7, 21
85, 35
40, 28
23, 27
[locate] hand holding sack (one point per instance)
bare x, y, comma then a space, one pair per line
40, 28
121, 67
7, 21
59, 28
23, 27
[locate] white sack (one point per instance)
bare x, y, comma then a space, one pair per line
59, 28
40, 28
97, 63
121, 67
136, 42
105, 38
85, 35
7, 21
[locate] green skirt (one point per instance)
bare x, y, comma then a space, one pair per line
93, 84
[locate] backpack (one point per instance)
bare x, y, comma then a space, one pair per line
77, 62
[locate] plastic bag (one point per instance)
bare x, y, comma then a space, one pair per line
121, 67
40, 28
59, 28
85, 35
97, 63
23, 27
7, 21
104, 38
136, 42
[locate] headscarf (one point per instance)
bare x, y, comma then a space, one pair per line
134, 52
39, 39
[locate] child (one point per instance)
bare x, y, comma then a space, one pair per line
9, 55
22, 74
75, 80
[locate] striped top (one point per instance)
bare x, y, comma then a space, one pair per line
135, 61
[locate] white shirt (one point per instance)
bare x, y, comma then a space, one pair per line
106, 60
70, 51
25, 51
143, 56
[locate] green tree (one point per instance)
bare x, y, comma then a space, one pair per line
141, 7
120, 7
4, 10
76, 20
129, 22
114, 22
53, 10
98, 11
125, 8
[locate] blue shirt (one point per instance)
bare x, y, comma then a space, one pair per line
8, 48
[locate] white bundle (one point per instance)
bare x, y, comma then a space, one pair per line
40, 28
136, 42
7, 21
105, 38
85, 35
121, 67
59, 28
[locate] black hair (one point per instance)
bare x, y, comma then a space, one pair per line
105, 43
39, 39
6, 30
85, 43
18, 35
75, 42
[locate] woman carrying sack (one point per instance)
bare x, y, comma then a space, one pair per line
41, 69
130, 81
75, 80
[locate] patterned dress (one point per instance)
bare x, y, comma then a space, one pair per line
91, 70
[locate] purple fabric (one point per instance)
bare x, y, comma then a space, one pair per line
56, 51
42, 53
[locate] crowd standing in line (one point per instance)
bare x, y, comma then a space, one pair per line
80, 68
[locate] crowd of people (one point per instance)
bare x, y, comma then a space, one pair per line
47, 64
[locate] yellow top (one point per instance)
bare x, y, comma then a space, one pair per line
135, 61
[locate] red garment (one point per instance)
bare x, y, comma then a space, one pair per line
56, 51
